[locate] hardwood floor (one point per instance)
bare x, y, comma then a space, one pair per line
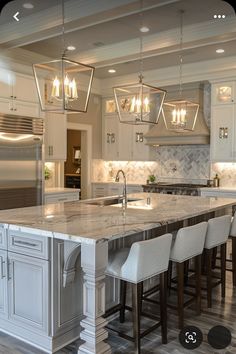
223, 313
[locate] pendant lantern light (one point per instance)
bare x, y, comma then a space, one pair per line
139, 103
180, 115
66, 83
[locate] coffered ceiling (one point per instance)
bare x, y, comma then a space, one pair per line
106, 32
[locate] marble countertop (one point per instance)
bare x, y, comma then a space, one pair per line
81, 222
57, 190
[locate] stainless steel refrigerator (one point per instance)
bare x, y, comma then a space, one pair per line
21, 175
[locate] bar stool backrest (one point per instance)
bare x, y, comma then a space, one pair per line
189, 242
147, 258
217, 231
233, 226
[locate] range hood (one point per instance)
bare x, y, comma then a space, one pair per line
159, 135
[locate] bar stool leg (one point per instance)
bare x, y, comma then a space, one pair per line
223, 266
123, 286
169, 276
234, 259
209, 276
180, 275
186, 269
214, 254
136, 294
198, 283
163, 306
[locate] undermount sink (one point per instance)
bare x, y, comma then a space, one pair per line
110, 201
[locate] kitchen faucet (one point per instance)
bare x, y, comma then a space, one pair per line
124, 201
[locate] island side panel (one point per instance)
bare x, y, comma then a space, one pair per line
94, 258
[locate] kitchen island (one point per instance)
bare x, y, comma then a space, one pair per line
93, 225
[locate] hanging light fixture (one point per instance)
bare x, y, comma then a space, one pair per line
139, 103
180, 115
66, 83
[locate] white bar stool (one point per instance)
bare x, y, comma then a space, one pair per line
188, 243
217, 234
142, 261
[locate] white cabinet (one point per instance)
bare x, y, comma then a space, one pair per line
110, 137
223, 122
61, 197
223, 93
222, 193
24, 274
55, 137
18, 95
122, 142
28, 292
108, 189
223, 137
3, 284
99, 190
35, 303
140, 151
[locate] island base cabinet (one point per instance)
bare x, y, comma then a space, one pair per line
28, 291
67, 284
3, 284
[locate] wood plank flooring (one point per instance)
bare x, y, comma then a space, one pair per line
223, 313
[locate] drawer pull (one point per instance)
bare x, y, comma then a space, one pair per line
25, 243
62, 199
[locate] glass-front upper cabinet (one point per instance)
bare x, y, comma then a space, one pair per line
223, 93
110, 106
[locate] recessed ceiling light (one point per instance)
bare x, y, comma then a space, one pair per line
71, 47
144, 29
112, 71
28, 6
220, 51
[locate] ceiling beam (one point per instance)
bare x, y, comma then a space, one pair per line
78, 15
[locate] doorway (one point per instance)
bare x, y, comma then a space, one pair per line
79, 158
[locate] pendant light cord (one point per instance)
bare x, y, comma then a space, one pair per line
181, 54
63, 28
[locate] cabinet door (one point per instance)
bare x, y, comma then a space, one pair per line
6, 84
99, 190
28, 292
3, 284
223, 93
140, 150
125, 142
26, 108
222, 133
24, 88
110, 140
6, 105
115, 188
55, 137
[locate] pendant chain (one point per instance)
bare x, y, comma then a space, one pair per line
141, 44
181, 55
63, 28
